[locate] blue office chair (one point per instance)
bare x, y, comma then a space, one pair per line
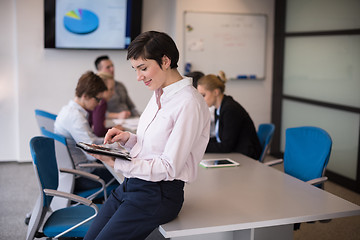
66, 165
265, 134
46, 122
307, 153
45, 119
72, 221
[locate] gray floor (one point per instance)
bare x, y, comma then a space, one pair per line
19, 190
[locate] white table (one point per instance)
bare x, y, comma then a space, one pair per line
251, 201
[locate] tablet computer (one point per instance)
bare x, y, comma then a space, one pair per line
219, 162
98, 149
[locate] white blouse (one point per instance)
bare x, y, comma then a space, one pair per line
171, 138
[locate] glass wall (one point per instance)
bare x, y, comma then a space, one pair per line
318, 83
342, 126
324, 68
322, 15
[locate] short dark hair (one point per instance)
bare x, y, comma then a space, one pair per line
99, 59
154, 45
90, 84
195, 75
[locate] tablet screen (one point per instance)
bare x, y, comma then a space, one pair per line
219, 162
92, 148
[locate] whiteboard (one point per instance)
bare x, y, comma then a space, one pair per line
233, 43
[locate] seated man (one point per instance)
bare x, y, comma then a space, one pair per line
120, 105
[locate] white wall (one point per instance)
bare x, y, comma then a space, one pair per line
8, 83
33, 77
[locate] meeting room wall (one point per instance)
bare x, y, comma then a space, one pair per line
33, 77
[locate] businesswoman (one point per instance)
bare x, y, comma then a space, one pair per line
171, 138
234, 129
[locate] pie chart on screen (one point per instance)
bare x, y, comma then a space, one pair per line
81, 21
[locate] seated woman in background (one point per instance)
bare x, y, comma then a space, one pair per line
72, 122
97, 117
235, 131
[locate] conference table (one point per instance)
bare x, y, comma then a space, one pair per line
250, 201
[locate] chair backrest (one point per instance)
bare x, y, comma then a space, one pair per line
44, 161
45, 119
265, 134
62, 151
307, 152
64, 160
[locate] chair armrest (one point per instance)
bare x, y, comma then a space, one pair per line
274, 162
89, 176
73, 197
90, 165
317, 181
82, 173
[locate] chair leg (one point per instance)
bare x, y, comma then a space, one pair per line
27, 218
296, 226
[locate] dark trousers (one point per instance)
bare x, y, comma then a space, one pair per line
136, 208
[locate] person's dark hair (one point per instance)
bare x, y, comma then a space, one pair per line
196, 75
99, 59
90, 84
154, 45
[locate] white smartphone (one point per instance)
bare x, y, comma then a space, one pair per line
219, 162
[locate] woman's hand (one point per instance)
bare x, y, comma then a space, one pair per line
116, 135
105, 159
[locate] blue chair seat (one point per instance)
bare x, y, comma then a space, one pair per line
65, 218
